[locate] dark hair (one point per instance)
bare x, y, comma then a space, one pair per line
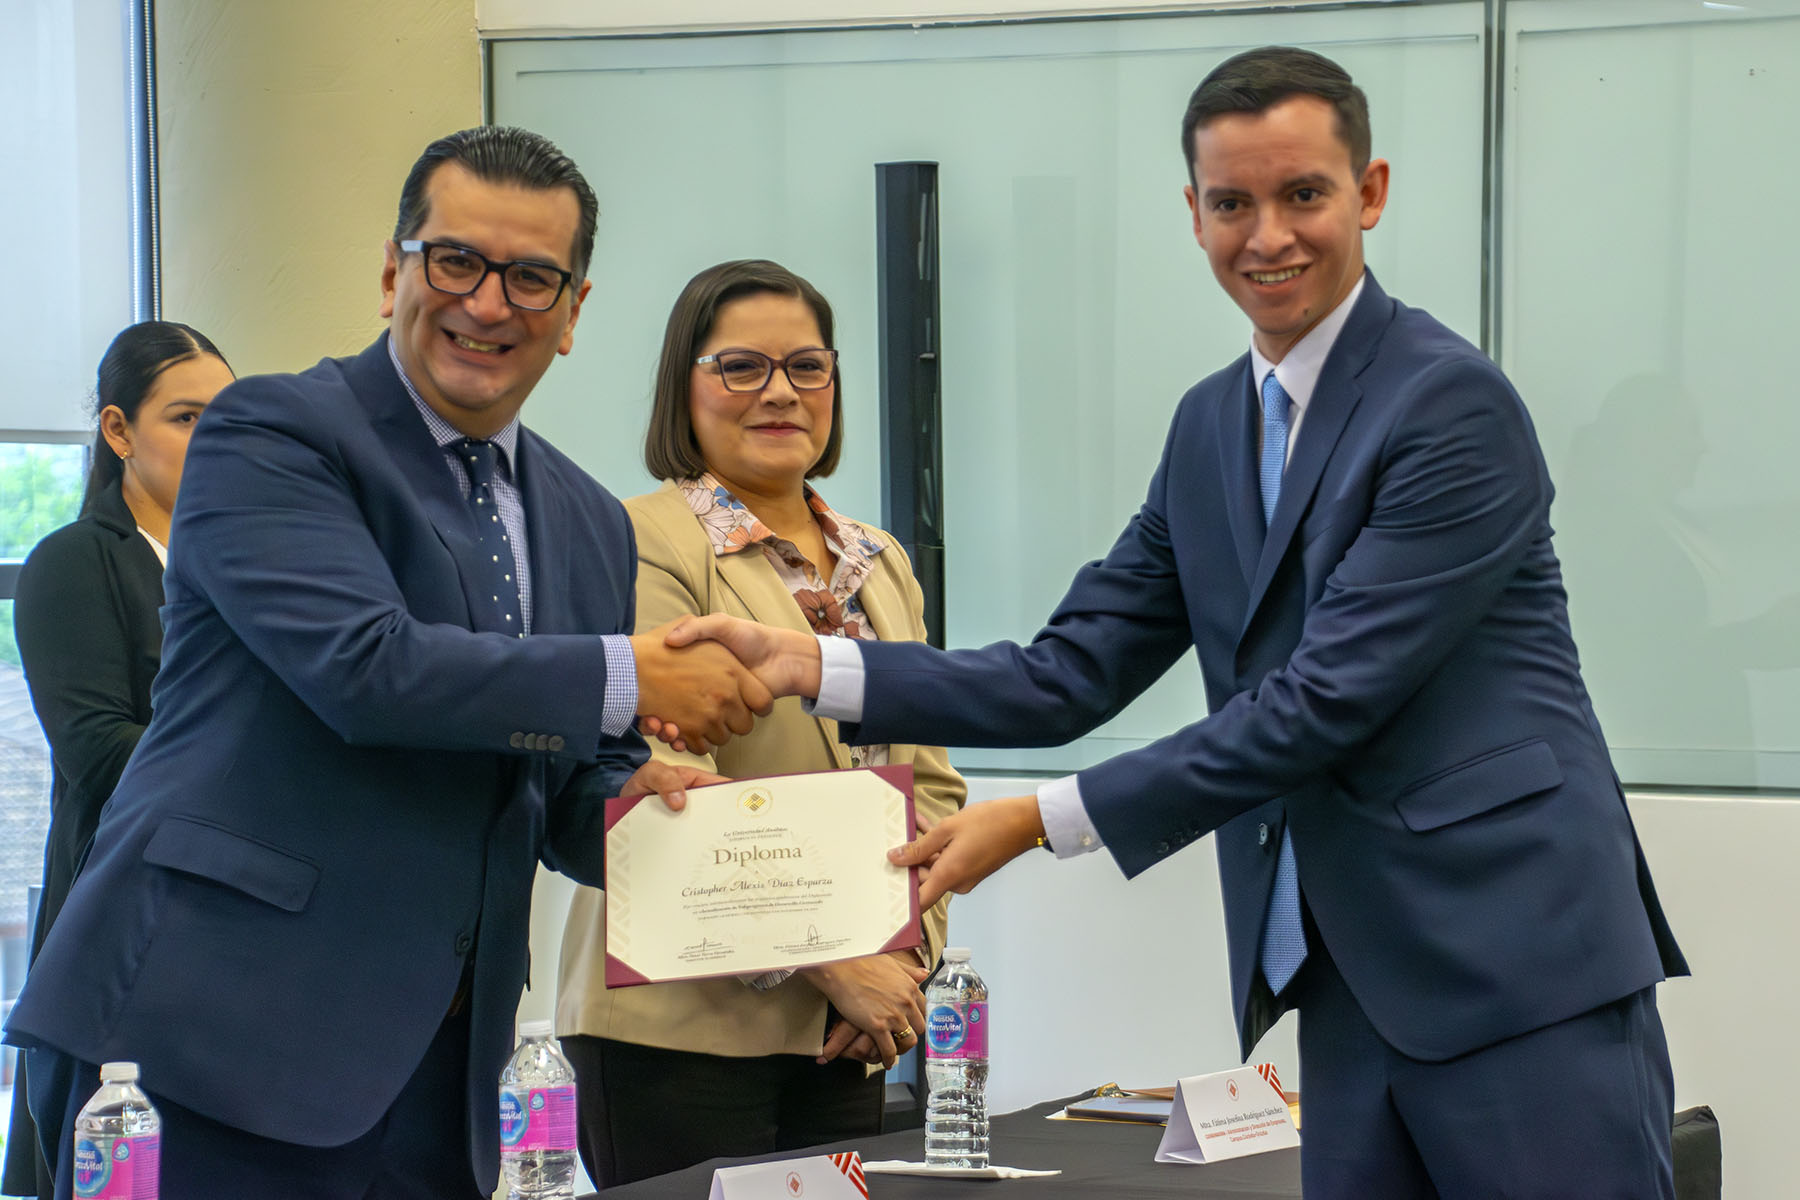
128, 370
1257, 80
502, 154
671, 451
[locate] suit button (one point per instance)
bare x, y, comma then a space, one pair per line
1262, 835
540, 741
463, 943
556, 742
516, 741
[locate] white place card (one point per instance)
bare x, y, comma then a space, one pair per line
1227, 1115
820, 1177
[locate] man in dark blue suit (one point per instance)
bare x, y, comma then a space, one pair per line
1422, 843
396, 677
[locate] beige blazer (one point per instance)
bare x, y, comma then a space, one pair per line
678, 573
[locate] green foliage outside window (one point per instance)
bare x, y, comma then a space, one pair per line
40, 491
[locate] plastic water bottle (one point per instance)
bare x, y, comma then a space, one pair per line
956, 1064
537, 1118
118, 1139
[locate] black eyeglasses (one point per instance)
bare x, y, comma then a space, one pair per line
751, 370
458, 271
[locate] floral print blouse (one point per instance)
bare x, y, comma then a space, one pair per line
830, 608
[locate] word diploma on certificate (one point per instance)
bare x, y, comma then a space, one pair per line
759, 875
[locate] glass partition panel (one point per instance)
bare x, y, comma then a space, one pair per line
67, 204
1076, 306
40, 491
1648, 292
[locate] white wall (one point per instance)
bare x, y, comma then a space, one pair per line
62, 84
286, 131
1096, 979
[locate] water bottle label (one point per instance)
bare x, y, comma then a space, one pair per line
539, 1119
117, 1168
957, 1031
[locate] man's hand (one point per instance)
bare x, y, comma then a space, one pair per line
668, 781
879, 996
785, 660
966, 847
700, 690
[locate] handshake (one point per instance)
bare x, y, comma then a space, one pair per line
703, 679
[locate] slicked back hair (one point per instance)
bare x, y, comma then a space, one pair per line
502, 154
1257, 80
130, 367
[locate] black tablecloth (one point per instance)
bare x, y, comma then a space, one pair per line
1111, 1159
1116, 1160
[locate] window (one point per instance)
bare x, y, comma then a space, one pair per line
40, 490
66, 76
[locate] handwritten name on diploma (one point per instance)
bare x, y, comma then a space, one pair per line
758, 874
752, 885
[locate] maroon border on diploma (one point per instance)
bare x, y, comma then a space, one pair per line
898, 776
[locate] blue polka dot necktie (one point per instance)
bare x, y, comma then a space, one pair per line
478, 458
1283, 939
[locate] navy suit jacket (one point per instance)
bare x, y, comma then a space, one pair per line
1389, 674
345, 791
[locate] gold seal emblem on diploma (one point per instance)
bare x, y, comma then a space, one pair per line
756, 801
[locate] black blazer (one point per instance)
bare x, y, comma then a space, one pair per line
90, 640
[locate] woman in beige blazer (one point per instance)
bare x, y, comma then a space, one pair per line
747, 408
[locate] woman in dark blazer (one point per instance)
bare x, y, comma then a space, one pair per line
85, 614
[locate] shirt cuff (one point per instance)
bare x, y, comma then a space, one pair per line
768, 979
620, 708
1066, 824
840, 681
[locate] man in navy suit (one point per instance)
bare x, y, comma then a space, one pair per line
1422, 843
396, 676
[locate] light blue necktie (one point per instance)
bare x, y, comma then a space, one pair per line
1283, 940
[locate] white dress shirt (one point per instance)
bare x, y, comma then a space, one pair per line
162, 551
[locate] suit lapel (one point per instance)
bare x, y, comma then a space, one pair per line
885, 602
759, 589
110, 511
547, 518
1237, 464
420, 460
1333, 401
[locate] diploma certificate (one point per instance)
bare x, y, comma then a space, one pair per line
759, 874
